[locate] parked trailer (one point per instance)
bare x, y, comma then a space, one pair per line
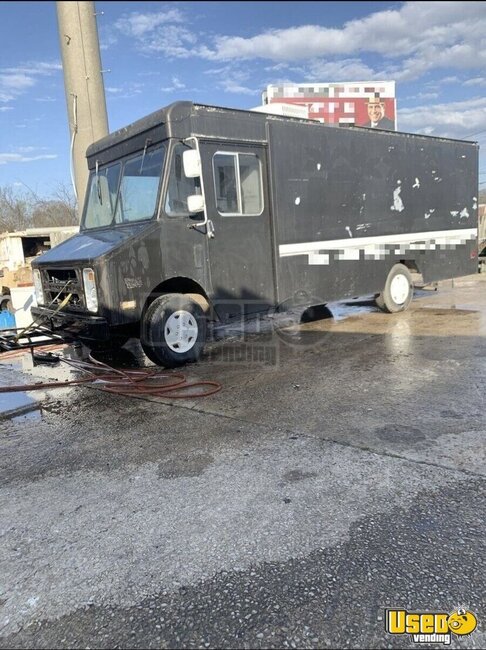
17, 249
198, 211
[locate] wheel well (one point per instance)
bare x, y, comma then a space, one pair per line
414, 270
411, 265
180, 285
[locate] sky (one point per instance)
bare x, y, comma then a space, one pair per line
225, 54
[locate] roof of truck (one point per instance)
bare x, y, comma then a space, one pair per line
146, 123
178, 112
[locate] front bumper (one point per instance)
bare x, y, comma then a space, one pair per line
74, 325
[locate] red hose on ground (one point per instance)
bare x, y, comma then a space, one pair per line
129, 382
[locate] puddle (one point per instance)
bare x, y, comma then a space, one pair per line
31, 416
16, 404
22, 369
272, 323
345, 309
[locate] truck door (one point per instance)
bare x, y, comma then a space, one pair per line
241, 255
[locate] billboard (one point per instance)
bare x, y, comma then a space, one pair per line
356, 103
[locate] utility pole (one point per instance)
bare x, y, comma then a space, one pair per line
83, 84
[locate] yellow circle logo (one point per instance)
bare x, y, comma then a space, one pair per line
462, 622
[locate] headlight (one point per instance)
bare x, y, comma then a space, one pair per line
39, 293
90, 293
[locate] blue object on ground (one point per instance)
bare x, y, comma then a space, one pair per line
7, 320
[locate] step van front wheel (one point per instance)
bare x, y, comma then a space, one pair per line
173, 330
398, 292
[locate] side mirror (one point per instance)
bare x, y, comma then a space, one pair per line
191, 162
195, 203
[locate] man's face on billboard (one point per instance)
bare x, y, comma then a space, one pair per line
376, 111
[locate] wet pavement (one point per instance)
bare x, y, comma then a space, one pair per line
340, 471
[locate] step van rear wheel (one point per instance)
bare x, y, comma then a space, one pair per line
398, 292
173, 330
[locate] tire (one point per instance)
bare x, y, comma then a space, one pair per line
173, 330
398, 292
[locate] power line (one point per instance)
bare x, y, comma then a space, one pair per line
470, 135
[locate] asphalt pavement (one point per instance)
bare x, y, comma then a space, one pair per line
339, 472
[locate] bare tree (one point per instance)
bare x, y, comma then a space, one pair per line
60, 210
15, 212
20, 209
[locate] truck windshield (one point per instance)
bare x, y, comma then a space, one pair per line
124, 192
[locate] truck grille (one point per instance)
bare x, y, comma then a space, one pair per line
59, 283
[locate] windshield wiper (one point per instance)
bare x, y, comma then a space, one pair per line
98, 185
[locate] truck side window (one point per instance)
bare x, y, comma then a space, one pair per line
238, 184
179, 187
251, 185
139, 186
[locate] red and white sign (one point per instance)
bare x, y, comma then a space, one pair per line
357, 103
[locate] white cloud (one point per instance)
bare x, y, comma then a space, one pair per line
232, 86
231, 79
6, 96
449, 80
171, 40
6, 158
420, 96
125, 91
107, 37
176, 85
460, 55
429, 34
5, 108
278, 67
156, 32
477, 81
15, 81
411, 39
453, 120
35, 68
341, 70
139, 25
218, 71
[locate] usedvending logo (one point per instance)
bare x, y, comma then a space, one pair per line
430, 627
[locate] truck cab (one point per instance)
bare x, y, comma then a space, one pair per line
198, 212
140, 263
